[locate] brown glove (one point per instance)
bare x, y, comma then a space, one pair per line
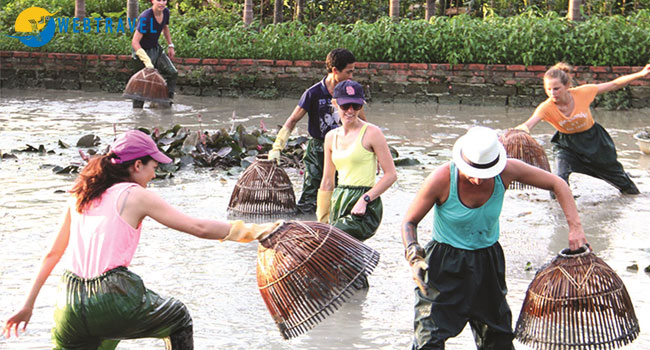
415, 256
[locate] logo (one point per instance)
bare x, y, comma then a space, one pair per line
39, 23
40, 26
350, 91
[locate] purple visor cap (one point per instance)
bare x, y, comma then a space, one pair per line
135, 144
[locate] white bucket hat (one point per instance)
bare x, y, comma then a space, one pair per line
479, 153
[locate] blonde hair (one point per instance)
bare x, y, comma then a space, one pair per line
560, 71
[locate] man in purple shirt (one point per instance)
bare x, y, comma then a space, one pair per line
151, 23
317, 103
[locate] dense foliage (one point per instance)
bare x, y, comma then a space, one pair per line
525, 39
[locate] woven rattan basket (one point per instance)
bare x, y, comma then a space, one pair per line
147, 85
306, 270
263, 189
520, 145
577, 302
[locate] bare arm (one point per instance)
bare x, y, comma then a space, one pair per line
620, 82
532, 121
519, 171
295, 117
48, 263
141, 203
377, 142
168, 37
329, 170
431, 192
135, 42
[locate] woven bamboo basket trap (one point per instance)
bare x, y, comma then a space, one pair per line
307, 270
577, 302
263, 189
520, 145
147, 85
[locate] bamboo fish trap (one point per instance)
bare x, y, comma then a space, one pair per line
147, 85
577, 302
307, 270
520, 145
263, 189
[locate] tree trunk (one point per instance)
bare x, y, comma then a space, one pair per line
442, 6
248, 12
131, 11
277, 11
300, 10
394, 10
430, 10
80, 8
574, 10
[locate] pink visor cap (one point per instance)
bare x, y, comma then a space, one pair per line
135, 144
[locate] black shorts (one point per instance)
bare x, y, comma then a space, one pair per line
463, 286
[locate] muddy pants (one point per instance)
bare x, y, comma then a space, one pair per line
592, 153
97, 313
164, 66
313, 160
463, 286
360, 227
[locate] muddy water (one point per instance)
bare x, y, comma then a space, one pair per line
217, 280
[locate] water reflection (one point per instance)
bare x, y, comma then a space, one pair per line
217, 280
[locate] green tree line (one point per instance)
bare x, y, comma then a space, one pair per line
531, 37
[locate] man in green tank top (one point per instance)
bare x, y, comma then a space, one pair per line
461, 272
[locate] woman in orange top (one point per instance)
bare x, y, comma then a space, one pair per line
582, 145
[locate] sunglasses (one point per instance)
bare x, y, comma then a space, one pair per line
354, 106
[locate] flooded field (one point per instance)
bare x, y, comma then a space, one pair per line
217, 280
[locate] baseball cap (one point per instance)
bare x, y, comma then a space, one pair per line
349, 91
135, 144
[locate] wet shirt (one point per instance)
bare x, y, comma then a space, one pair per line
468, 228
580, 119
150, 28
356, 166
100, 240
323, 117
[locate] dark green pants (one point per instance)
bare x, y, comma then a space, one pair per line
464, 286
313, 160
592, 153
163, 64
97, 313
360, 227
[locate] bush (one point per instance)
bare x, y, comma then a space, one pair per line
527, 39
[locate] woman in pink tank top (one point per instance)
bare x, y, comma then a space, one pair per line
105, 302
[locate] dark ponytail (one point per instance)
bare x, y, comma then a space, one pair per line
100, 174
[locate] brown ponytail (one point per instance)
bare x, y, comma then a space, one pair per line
560, 71
100, 174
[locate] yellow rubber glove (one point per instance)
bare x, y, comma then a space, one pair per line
244, 233
279, 144
522, 127
415, 256
323, 203
142, 55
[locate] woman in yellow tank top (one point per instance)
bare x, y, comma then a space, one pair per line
353, 150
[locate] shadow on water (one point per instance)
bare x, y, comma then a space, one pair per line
217, 280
